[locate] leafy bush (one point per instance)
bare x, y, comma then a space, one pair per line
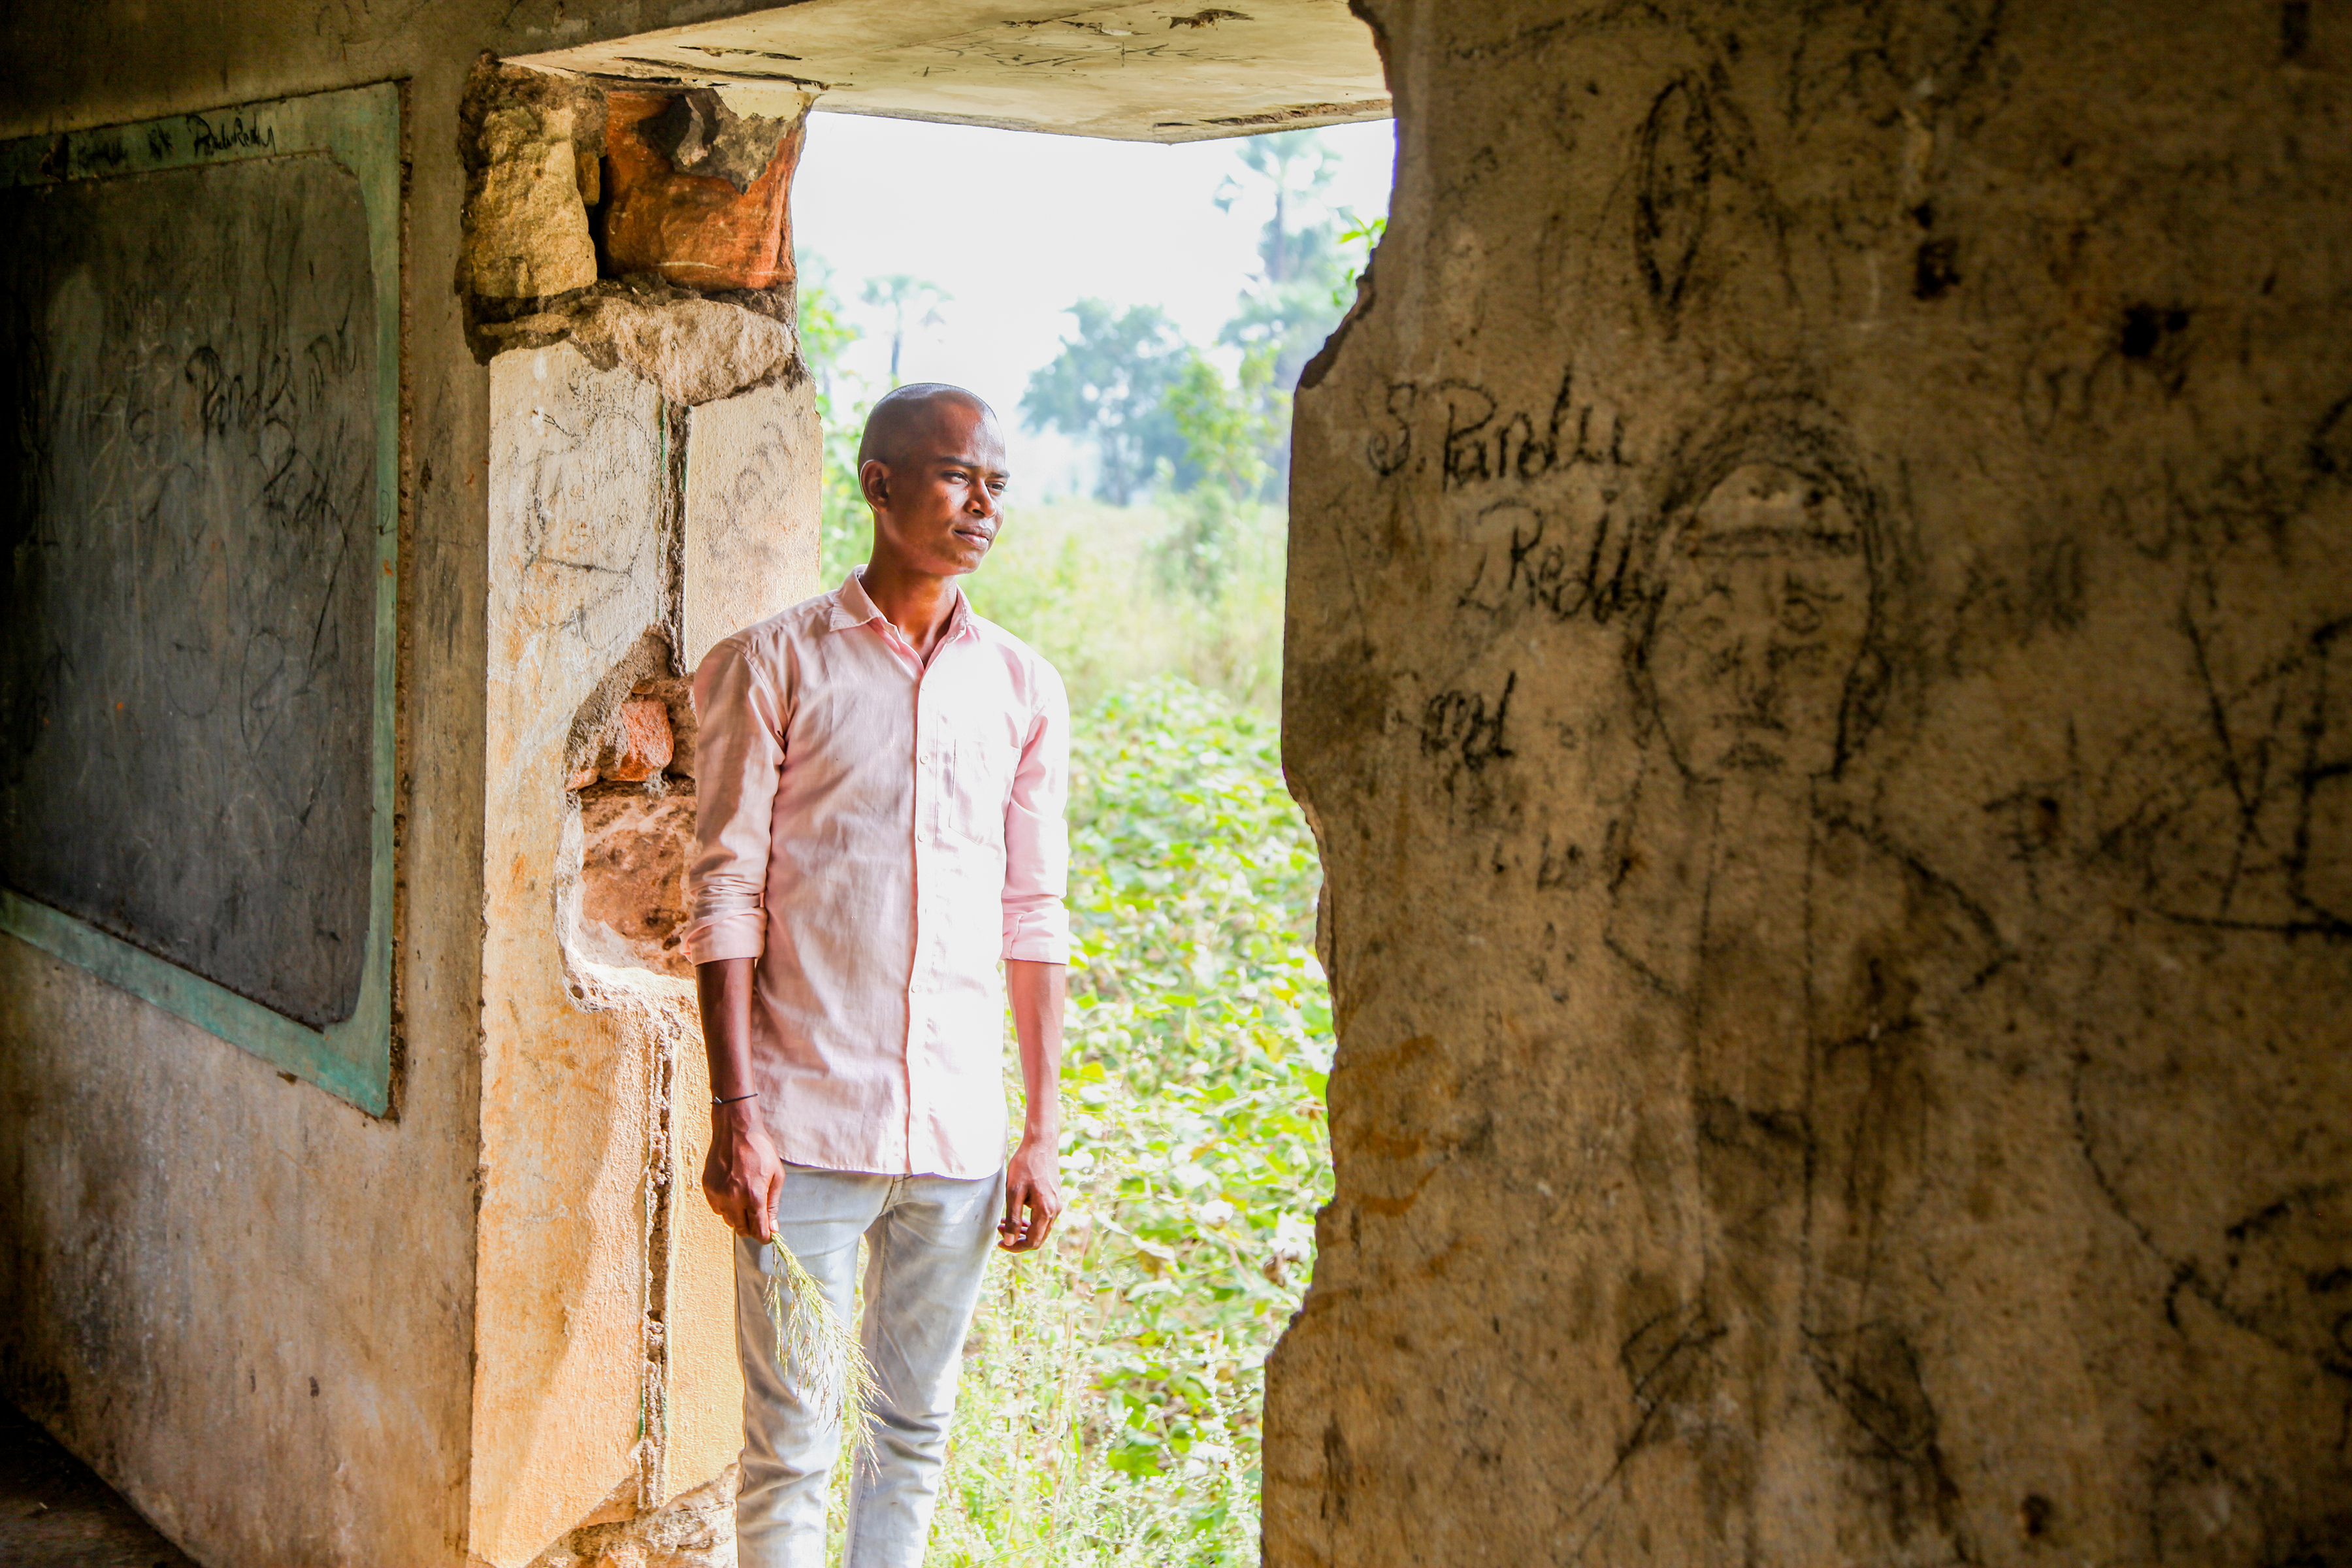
1112, 1386
844, 527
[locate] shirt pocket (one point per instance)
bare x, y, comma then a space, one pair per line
980, 766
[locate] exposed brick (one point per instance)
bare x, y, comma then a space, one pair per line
639, 744
696, 229
633, 857
694, 1529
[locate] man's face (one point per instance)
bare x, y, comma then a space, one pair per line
1766, 611
935, 500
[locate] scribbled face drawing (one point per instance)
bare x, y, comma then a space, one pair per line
1764, 615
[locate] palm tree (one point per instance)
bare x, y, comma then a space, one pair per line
1298, 166
904, 295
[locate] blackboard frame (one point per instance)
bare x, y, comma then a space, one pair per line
359, 129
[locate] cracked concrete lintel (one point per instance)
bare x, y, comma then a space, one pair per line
1157, 70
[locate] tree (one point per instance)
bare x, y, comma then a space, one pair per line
1227, 423
904, 296
1109, 385
1289, 309
844, 525
1299, 167
1228, 427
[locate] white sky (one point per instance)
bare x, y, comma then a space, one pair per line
1017, 226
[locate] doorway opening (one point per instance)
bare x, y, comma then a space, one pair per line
1142, 358
1137, 315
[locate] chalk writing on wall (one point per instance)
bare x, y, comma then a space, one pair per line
188, 452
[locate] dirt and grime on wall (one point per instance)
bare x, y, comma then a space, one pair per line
1823, 548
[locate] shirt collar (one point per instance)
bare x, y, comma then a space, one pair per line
853, 607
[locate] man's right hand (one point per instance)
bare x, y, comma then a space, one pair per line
741, 1176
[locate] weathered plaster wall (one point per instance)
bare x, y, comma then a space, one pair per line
251, 1306
622, 526
749, 458
754, 465
1821, 558
247, 1303
575, 1060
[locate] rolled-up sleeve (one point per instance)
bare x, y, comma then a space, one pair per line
739, 758
1036, 837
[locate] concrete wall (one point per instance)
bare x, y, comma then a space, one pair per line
248, 1305
211, 1274
1821, 559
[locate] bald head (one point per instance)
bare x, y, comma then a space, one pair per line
931, 468
905, 415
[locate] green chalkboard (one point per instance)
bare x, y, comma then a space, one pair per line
198, 481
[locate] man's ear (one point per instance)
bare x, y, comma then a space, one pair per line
874, 481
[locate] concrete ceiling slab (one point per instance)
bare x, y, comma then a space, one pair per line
1149, 72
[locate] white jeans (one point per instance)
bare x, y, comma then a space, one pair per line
927, 1240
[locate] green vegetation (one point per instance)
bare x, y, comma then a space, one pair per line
1292, 306
845, 528
1112, 1385
1125, 379
903, 295
1109, 385
1106, 592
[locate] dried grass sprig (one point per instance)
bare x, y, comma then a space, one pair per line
812, 1339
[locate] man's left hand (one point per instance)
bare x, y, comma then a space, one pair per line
1033, 1195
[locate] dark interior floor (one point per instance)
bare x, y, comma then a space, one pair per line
54, 1513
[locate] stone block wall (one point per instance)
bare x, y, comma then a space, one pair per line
1820, 556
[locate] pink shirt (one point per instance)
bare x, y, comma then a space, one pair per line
877, 834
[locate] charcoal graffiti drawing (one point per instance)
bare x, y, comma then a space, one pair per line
2226, 823
1677, 162
188, 493
1804, 957
2222, 824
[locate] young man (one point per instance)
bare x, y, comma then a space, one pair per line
880, 777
